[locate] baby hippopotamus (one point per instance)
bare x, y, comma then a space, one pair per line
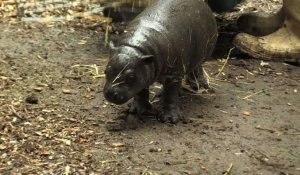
170, 39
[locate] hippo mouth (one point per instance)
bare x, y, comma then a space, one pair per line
119, 101
116, 98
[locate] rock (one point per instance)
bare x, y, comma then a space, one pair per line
32, 99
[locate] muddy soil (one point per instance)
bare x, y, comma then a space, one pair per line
53, 117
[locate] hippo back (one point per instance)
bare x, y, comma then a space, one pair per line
179, 33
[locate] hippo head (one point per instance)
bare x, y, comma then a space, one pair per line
127, 73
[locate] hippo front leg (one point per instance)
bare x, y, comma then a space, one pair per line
170, 100
141, 103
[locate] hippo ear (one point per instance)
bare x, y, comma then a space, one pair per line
112, 46
147, 59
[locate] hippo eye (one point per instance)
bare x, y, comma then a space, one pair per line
131, 78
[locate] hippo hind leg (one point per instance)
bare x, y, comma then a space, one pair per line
171, 112
196, 79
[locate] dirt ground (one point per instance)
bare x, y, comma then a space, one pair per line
53, 117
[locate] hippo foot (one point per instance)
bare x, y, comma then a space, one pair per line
200, 85
139, 108
173, 115
123, 122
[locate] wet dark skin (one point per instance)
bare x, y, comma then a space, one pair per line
168, 40
122, 10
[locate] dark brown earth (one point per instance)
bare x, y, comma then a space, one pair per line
251, 121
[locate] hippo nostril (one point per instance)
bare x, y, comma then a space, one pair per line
116, 94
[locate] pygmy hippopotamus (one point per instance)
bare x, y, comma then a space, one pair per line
170, 39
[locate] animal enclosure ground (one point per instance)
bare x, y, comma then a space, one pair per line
53, 115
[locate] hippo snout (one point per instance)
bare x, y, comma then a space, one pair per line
115, 96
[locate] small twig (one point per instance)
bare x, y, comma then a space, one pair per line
291, 133
277, 131
93, 69
228, 171
99, 76
33, 161
186, 87
117, 84
211, 83
120, 73
226, 81
206, 74
266, 129
197, 83
225, 112
249, 72
107, 161
208, 78
263, 154
228, 56
15, 112
256, 93
2, 133
145, 171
